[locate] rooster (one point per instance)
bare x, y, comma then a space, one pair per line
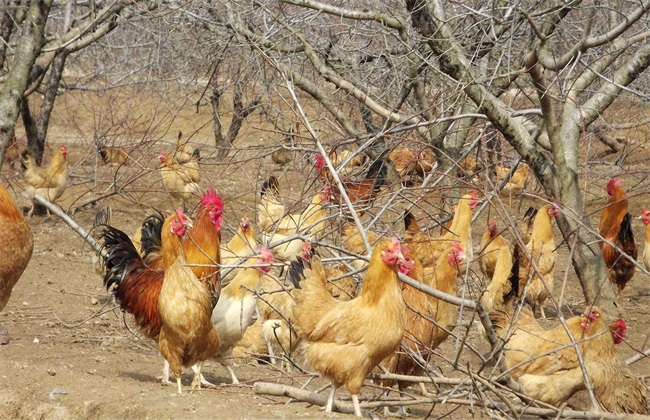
540, 247
491, 243
236, 307
180, 179
616, 227
645, 218
363, 192
137, 280
187, 336
48, 182
427, 249
428, 319
240, 246
337, 342
18, 245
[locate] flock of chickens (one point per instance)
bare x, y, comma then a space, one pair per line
200, 298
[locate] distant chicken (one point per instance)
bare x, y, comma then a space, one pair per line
337, 340
412, 162
491, 243
428, 319
540, 247
517, 181
362, 192
114, 156
185, 153
645, 218
428, 249
187, 336
180, 179
17, 245
242, 244
616, 227
236, 307
48, 182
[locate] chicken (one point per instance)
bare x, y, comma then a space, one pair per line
405, 160
18, 245
185, 153
541, 248
362, 192
525, 226
114, 156
645, 218
470, 166
180, 180
137, 280
236, 307
312, 221
504, 283
352, 241
48, 182
421, 335
337, 342
187, 335
517, 181
616, 227
338, 157
251, 345
427, 249
546, 365
491, 243
241, 245
281, 156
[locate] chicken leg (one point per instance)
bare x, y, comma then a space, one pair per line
330, 400
196, 382
204, 381
357, 407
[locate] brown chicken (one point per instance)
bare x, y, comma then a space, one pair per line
517, 181
427, 249
114, 156
645, 218
180, 180
48, 182
337, 342
18, 245
137, 280
363, 192
504, 283
541, 248
241, 245
422, 336
546, 364
187, 336
616, 227
491, 243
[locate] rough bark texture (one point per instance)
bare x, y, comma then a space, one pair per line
27, 49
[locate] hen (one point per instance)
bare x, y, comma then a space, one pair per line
427, 249
185, 153
337, 342
114, 156
240, 246
541, 248
616, 227
236, 307
48, 182
180, 180
491, 244
362, 192
187, 336
16, 235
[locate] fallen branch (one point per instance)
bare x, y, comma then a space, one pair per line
62, 215
424, 379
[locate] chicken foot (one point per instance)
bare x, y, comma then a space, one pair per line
196, 382
204, 381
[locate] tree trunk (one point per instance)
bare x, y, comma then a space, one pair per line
27, 49
10, 18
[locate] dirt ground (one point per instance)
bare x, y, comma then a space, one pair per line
71, 354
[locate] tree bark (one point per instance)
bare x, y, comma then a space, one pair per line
10, 18
27, 49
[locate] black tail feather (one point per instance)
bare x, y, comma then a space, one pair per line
151, 235
121, 256
378, 172
410, 223
625, 234
514, 277
296, 271
23, 157
103, 217
197, 154
271, 186
530, 214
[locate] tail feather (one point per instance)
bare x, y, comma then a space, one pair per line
513, 279
25, 156
410, 223
296, 272
529, 216
196, 154
378, 172
625, 234
270, 186
103, 216
151, 236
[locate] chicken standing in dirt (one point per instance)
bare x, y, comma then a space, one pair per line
187, 336
344, 341
48, 182
645, 218
17, 246
180, 179
616, 227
